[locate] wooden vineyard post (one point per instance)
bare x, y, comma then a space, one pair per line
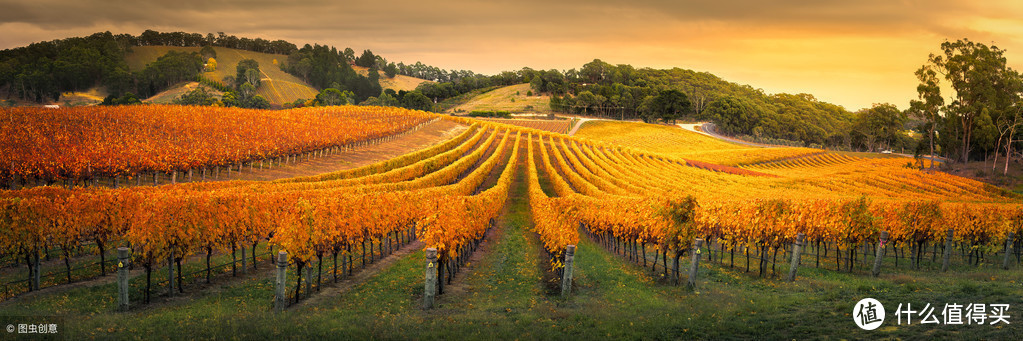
796, 248
1008, 251
948, 250
123, 255
695, 263
431, 278
281, 293
244, 263
879, 257
35, 276
566, 280
170, 273
307, 269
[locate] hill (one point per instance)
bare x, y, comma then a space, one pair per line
398, 83
278, 86
79, 98
168, 96
514, 99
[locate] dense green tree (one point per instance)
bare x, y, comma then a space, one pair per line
536, 83
928, 107
1009, 118
671, 105
880, 127
416, 101
119, 81
367, 59
389, 100
391, 70
585, 101
324, 67
171, 68
230, 99
199, 96
979, 77
331, 96
127, 99
208, 52
246, 91
647, 110
734, 115
257, 102
349, 54
242, 68
252, 76
595, 71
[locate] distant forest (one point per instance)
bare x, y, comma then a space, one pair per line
41, 71
624, 92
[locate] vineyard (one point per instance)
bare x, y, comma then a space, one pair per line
672, 142
84, 144
278, 91
554, 126
656, 190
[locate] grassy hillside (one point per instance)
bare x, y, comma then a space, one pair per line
278, 86
79, 98
398, 83
510, 98
677, 142
168, 96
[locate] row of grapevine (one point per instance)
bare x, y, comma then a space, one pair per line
398, 162
822, 159
457, 223
177, 221
761, 223
90, 142
554, 126
551, 217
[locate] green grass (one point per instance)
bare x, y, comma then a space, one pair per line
450, 103
398, 83
510, 98
504, 298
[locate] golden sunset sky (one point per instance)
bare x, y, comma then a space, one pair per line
852, 53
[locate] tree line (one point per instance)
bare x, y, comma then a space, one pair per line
979, 120
325, 67
41, 71
625, 92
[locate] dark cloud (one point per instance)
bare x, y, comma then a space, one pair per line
764, 42
457, 20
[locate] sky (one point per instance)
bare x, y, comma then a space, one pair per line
851, 53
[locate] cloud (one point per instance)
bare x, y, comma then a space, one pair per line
845, 51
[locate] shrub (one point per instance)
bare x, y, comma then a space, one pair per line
490, 113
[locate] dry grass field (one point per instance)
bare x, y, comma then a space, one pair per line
398, 83
512, 98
